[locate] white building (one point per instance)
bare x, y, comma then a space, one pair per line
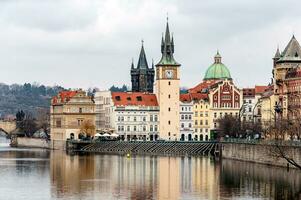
186, 121
131, 115
103, 109
251, 98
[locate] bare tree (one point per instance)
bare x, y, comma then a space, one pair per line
87, 128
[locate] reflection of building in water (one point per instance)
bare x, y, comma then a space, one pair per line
71, 174
199, 175
269, 182
169, 178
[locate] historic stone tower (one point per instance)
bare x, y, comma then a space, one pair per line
168, 89
142, 77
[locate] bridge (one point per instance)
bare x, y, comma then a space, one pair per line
7, 126
147, 147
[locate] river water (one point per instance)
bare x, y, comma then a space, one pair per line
41, 174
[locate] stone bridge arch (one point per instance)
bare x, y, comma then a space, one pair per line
8, 126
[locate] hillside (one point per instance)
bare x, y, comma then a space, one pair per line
27, 97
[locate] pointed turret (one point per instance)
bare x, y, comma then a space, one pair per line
153, 66
217, 57
292, 51
142, 62
277, 54
172, 45
132, 65
167, 49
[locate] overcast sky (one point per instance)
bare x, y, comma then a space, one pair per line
87, 43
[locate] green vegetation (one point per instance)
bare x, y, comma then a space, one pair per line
28, 97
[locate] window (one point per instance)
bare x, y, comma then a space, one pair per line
156, 128
215, 115
182, 108
151, 129
80, 110
151, 118
118, 128
168, 82
206, 114
189, 125
168, 122
206, 122
169, 96
168, 109
156, 118
135, 128
201, 114
250, 109
201, 122
186, 117
196, 114
250, 101
144, 119
119, 118
128, 128
144, 128
206, 130
128, 118
196, 122
189, 116
182, 116
182, 125
58, 123
135, 119
215, 125
122, 118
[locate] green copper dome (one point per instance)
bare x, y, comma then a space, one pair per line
217, 70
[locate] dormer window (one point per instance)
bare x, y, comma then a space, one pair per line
117, 98
139, 98
128, 98
296, 54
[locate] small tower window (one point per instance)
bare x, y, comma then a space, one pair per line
169, 83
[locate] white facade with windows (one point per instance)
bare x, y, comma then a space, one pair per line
136, 122
186, 121
103, 109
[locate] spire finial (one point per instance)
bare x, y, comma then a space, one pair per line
167, 17
142, 41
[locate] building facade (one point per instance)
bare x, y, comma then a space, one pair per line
186, 114
215, 97
135, 116
103, 109
142, 77
69, 110
168, 90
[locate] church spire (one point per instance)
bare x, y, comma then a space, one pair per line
167, 48
142, 62
132, 65
277, 54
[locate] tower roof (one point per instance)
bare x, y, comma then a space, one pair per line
292, 51
167, 49
217, 70
142, 62
277, 54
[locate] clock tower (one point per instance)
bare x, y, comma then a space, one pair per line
168, 90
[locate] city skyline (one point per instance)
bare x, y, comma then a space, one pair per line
87, 42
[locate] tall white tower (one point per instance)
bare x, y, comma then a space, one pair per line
168, 90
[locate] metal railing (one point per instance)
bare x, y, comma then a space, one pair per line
296, 143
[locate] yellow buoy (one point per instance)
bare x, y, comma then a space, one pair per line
128, 155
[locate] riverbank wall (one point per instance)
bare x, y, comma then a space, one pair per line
263, 153
30, 142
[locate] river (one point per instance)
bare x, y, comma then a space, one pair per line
41, 174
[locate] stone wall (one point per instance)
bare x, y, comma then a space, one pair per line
259, 153
58, 144
31, 142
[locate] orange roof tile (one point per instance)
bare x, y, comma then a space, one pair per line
203, 85
64, 96
199, 96
134, 99
185, 98
259, 89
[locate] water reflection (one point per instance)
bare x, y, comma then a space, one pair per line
39, 174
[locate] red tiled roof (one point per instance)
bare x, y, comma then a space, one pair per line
199, 96
203, 85
185, 97
64, 96
259, 89
248, 92
134, 99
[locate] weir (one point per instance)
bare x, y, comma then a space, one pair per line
154, 148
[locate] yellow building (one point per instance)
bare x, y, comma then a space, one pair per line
69, 111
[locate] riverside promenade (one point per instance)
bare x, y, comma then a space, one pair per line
146, 147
